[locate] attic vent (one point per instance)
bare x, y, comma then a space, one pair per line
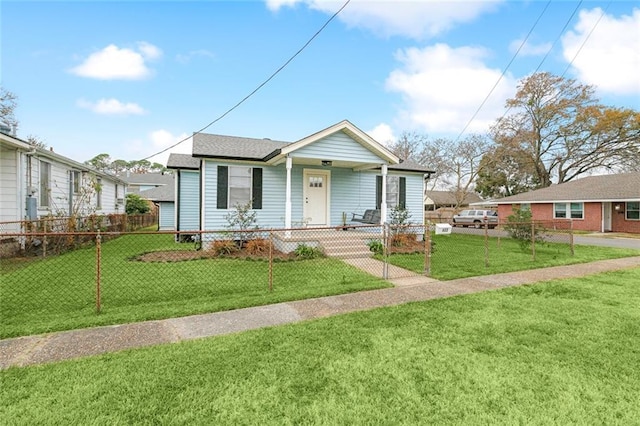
266, 139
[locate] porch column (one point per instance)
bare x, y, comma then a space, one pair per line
383, 196
287, 196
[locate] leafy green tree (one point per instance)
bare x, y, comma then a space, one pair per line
136, 204
100, 162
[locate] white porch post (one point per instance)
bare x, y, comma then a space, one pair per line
287, 202
383, 196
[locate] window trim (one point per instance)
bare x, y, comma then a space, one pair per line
45, 184
568, 210
627, 209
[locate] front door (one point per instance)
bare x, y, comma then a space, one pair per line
606, 217
316, 197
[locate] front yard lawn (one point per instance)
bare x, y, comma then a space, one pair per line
463, 255
562, 352
58, 293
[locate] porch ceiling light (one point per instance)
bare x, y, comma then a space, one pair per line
327, 163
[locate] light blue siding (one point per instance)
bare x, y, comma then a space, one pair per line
337, 147
189, 201
166, 216
351, 192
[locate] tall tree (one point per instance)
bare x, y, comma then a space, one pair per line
560, 131
100, 162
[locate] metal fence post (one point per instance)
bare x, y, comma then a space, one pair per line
571, 246
98, 270
533, 240
270, 261
385, 251
44, 240
427, 249
486, 243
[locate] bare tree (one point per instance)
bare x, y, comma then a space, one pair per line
559, 130
8, 105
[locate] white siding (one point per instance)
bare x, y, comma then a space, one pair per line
337, 147
9, 186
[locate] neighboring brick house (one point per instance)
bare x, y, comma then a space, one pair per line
606, 203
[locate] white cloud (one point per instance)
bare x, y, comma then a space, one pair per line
186, 57
610, 58
275, 5
416, 19
114, 63
442, 88
382, 133
112, 107
157, 141
529, 49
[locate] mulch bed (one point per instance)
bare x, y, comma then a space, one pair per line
184, 255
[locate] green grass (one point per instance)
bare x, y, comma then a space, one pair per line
460, 256
562, 352
58, 293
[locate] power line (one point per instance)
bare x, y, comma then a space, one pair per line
504, 71
260, 86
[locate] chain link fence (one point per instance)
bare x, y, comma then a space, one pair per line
106, 277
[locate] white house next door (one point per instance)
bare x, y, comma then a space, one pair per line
316, 197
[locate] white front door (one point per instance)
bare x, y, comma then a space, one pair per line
606, 217
316, 197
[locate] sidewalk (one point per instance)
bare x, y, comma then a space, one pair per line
30, 350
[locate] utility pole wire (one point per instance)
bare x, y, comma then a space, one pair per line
243, 100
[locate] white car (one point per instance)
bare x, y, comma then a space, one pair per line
476, 218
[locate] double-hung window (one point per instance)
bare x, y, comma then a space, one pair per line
45, 183
239, 186
568, 210
396, 191
633, 210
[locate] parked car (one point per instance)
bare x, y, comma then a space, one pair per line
476, 218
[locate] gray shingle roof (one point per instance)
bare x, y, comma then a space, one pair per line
449, 198
183, 161
220, 146
620, 187
148, 179
410, 166
159, 193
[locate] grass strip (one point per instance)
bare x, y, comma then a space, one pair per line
562, 352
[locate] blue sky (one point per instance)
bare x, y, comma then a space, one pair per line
132, 78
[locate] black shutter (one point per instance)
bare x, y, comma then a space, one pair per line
378, 192
223, 186
402, 196
256, 188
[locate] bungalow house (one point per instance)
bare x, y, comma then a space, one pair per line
320, 180
607, 203
36, 182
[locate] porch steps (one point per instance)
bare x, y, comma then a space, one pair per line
345, 248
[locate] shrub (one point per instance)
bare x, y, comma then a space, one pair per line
307, 252
403, 240
258, 247
376, 246
224, 247
241, 222
519, 226
136, 204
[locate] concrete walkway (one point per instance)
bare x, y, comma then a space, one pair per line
65, 345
